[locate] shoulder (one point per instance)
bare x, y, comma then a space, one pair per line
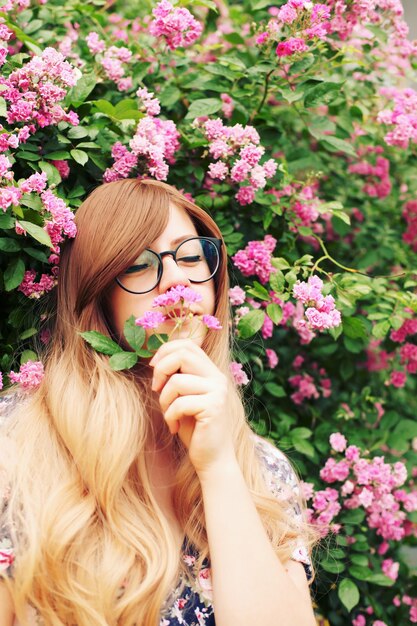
276, 467
10, 401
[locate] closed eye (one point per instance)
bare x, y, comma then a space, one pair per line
191, 259
137, 268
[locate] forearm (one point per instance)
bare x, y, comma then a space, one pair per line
250, 584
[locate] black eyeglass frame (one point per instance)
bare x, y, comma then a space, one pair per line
160, 255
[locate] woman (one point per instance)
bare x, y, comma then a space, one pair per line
125, 484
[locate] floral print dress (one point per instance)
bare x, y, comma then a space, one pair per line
191, 602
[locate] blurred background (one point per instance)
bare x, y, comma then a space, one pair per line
410, 8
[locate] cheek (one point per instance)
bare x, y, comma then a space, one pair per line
121, 305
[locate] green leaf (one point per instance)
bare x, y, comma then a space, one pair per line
77, 132
359, 572
334, 144
29, 332
156, 341
258, 291
103, 106
79, 156
13, 274
100, 342
353, 516
37, 233
380, 330
303, 447
276, 279
321, 93
354, 327
300, 66
275, 390
169, 96
251, 323
274, 311
6, 221
28, 355
3, 107
203, 106
301, 433
57, 155
54, 177
135, 335
9, 245
348, 594
27, 156
83, 88
380, 579
123, 360
334, 567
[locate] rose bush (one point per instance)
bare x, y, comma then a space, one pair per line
293, 124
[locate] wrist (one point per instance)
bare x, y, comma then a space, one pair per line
219, 470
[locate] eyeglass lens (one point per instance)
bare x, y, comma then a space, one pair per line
198, 258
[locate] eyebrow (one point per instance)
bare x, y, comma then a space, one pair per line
182, 238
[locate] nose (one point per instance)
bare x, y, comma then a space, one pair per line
172, 275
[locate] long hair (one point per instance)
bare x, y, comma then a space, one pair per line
92, 544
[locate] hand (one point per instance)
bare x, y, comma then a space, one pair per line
193, 400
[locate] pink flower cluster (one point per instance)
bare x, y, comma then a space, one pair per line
306, 386
238, 373
402, 117
410, 602
30, 375
150, 103
255, 258
238, 154
32, 289
349, 17
33, 91
378, 183
184, 296
153, 146
370, 484
409, 213
176, 25
304, 21
321, 312
113, 59
302, 207
5, 35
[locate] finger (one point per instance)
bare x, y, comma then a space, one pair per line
184, 406
173, 346
184, 361
183, 385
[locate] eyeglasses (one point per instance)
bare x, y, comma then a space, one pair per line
198, 257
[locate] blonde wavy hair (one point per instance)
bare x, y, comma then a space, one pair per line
92, 545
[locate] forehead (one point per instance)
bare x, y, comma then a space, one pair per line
178, 227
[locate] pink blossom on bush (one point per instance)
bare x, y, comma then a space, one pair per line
390, 568
272, 357
32, 289
291, 46
239, 375
63, 168
177, 25
338, 442
398, 378
255, 258
94, 43
360, 620
237, 295
29, 376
